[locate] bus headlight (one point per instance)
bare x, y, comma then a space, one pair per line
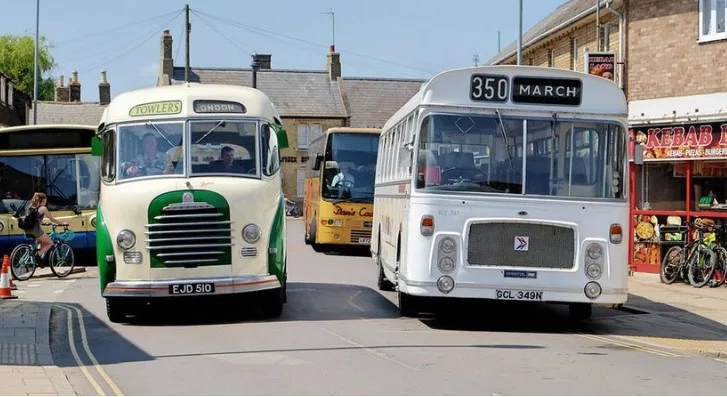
446, 245
2, 227
592, 290
594, 251
126, 239
251, 233
445, 284
446, 264
593, 270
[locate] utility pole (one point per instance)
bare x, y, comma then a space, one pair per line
520, 34
598, 25
498, 42
35, 63
333, 26
188, 31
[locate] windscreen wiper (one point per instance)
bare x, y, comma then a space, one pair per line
220, 124
504, 137
160, 133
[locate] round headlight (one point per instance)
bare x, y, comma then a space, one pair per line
446, 264
594, 251
126, 239
2, 227
445, 284
593, 271
93, 221
592, 290
446, 245
251, 233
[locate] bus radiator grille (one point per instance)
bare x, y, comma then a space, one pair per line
493, 244
183, 236
357, 234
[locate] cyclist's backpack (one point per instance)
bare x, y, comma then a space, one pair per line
28, 219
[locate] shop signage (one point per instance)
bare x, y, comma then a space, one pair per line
601, 64
702, 169
682, 142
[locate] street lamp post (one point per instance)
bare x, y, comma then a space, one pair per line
35, 63
520, 33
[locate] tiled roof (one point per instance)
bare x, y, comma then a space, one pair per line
564, 12
296, 93
69, 113
372, 101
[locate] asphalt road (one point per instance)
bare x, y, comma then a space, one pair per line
340, 335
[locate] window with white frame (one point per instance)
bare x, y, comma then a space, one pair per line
300, 176
307, 133
9, 99
712, 16
2, 89
573, 54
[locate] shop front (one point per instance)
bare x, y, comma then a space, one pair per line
681, 176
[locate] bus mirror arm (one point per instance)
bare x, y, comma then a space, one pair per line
318, 161
408, 145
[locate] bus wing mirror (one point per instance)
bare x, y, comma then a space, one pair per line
281, 134
318, 161
96, 146
638, 154
408, 145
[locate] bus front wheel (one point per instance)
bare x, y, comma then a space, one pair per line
408, 305
272, 303
116, 310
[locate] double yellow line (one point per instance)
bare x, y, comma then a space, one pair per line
628, 345
84, 340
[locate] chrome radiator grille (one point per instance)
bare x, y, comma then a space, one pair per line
357, 234
493, 244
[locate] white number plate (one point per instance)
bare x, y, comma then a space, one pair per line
518, 295
189, 289
364, 240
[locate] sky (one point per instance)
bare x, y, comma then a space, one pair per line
376, 38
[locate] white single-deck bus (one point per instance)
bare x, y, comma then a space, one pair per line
505, 182
191, 197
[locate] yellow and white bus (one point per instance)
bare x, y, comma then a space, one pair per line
54, 159
338, 206
191, 197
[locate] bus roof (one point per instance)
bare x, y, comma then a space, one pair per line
353, 129
163, 102
452, 88
36, 127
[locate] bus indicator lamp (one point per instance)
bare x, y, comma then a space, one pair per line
427, 225
615, 233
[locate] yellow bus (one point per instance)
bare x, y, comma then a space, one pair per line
54, 159
338, 205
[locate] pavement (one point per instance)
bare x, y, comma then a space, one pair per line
26, 363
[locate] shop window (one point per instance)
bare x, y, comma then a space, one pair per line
661, 186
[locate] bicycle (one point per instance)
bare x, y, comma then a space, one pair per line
60, 255
683, 266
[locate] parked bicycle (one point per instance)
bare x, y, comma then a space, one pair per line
692, 262
61, 258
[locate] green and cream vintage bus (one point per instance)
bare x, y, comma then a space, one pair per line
191, 200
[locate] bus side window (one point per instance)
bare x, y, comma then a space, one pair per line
108, 158
270, 153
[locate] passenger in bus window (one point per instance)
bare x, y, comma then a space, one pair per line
150, 161
227, 163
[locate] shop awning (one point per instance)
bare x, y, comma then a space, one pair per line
684, 109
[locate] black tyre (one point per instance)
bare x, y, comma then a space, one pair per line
580, 311
272, 303
701, 267
720, 267
116, 310
22, 262
408, 305
383, 283
670, 265
61, 260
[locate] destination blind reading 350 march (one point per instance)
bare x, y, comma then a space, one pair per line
530, 90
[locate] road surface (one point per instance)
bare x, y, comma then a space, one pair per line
340, 335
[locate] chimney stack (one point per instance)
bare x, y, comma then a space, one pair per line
167, 62
63, 94
104, 90
75, 88
334, 63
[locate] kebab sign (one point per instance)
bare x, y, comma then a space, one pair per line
601, 64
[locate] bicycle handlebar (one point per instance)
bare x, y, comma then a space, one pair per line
703, 227
55, 225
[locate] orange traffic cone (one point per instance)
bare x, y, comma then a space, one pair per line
10, 276
5, 290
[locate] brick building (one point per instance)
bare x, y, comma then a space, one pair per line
67, 107
669, 59
309, 101
14, 104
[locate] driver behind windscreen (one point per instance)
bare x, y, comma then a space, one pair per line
153, 162
343, 180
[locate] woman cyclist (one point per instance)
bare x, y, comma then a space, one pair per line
38, 203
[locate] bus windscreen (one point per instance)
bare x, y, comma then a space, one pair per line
349, 166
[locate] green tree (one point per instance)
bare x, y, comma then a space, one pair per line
17, 56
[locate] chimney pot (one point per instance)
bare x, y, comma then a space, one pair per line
103, 77
104, 90
75, 88
75, 76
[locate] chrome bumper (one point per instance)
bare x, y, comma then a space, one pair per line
160, 288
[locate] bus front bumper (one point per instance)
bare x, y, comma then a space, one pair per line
190, 287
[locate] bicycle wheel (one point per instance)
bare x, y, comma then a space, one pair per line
22, 262
61, 260
720, 267
671, 264
701, 267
